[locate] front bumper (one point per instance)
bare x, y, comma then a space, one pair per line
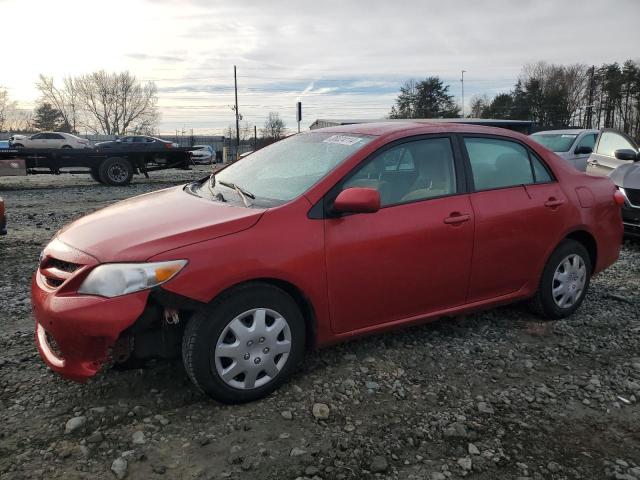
631, 220
75, 332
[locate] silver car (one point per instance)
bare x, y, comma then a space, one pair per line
575, 145
582, 147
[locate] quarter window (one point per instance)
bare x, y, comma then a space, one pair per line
411, 171
501, 163
610, 142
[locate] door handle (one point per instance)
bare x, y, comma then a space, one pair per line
553, 203
456, 217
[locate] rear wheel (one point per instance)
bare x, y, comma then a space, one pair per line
245, 345
565, 281
116, 171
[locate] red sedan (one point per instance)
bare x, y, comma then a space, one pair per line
316, 239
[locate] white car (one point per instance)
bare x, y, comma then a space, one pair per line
574, 145
203, 154
48, 140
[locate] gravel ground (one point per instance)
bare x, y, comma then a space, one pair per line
496, 395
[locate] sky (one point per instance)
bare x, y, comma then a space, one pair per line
341, 59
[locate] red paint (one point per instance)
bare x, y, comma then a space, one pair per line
361, 272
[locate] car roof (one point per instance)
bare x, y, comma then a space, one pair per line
416, 127
568, 131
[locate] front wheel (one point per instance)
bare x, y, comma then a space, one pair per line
564, 282
245, 345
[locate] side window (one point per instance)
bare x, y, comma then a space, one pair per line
37, 136
498, 163
55, 136
411, 171
589, 140
610, 142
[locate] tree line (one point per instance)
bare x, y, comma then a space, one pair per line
551, 95
99, 102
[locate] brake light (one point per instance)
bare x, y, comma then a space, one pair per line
618, 197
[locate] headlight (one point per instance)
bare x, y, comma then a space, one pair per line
114, 279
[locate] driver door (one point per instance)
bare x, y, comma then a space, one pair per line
411, 257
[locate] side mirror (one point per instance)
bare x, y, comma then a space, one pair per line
357, 200
626, 154
583, 150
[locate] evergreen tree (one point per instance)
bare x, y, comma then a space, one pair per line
47, 118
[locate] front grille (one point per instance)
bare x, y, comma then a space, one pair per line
633, 195
55, 272
60, 265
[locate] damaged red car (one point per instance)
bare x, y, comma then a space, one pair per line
316, 239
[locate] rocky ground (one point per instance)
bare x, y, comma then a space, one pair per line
497, 395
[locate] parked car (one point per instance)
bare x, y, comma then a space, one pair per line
4, 144
627, 180
203, 154
3, 218
316, 239
135, 142
586, 146
48, 140
573, 145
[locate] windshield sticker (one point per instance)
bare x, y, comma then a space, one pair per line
342, 139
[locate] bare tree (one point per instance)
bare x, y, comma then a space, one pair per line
102, 102
12, 118
64, 99
274, 127
479, 105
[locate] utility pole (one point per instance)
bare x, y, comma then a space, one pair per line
255, 138
591, 91
299, 114
462, 82
235, 82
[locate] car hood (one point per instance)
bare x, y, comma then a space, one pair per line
627, 176
19, 137
144, 226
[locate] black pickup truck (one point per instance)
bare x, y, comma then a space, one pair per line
110, 166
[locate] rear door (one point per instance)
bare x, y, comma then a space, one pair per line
411, 257
519, 212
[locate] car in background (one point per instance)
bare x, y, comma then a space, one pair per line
48, 140
203, 154
583, 147
318, 238
4, 144
573, 145
3, 218
627, 179
137, 142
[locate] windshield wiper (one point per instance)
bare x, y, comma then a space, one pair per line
242, 193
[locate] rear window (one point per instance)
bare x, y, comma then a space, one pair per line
556, 142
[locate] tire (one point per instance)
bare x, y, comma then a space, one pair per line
95, 174
234, 314
116, 171
66, 146
563, 302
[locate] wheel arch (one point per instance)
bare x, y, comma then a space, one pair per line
302, 300
588, 241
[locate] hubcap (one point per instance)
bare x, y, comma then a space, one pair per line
117, 173
569, 280
253, 348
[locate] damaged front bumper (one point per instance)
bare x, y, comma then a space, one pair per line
74, 333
